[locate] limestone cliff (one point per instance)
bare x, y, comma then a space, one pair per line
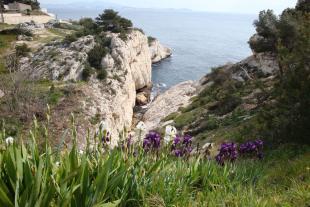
129, 68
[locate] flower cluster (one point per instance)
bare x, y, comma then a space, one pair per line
228, 152
152, 141
182, 146
253, 148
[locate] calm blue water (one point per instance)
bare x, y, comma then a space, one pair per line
199, 41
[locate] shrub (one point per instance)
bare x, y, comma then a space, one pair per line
70, 38
103, 40
87, 72
89, 27
102, 74
22, 50
123, 35
95, 56
151, 39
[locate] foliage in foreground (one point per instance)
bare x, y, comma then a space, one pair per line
130, 176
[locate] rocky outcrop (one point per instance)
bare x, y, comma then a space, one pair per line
256, 66
112, 100
169, 102
133, 56
56, 62
158, 51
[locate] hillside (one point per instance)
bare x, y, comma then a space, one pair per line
79, 127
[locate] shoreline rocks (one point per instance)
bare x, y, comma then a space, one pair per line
169, 102
158, 51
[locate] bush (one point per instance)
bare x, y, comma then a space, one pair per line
22, 50
103, 40
95, 56
87, 72
70, 38
102, 74
123, 35
151, 39
89, 27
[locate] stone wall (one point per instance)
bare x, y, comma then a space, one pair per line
17, 18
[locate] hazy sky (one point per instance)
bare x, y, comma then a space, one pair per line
234, 6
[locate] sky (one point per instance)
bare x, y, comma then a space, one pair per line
231, 6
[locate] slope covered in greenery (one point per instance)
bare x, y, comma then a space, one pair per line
274, 106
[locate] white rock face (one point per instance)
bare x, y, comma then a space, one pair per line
168, 102
158, 51
133, 55
1, 93
128, 66
59, 63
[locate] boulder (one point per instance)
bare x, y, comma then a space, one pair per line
141, 99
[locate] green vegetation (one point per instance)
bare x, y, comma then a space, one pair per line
273, 109
151, 39
128, 176
108, 21
5, 42
95, 56
111, 21
22, 50
102, 74
87, 72
70, 38
288, 118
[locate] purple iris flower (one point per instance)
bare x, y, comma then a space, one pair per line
152, 141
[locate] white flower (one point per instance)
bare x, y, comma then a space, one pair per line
103, 126
9, 140
141, 126
81, 152
57, 164
170, 133
208, 145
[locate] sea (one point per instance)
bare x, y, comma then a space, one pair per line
200, 40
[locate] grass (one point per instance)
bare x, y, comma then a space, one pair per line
5, 42
5, 26
45, 176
